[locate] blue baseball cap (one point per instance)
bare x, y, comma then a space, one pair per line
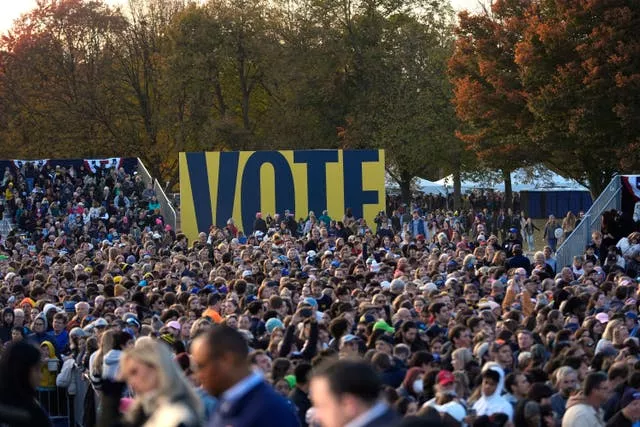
311, 301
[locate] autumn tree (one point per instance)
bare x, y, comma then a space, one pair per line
488, 95
580, 65
56, 80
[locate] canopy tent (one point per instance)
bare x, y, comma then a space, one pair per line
429, 187
521, 180
423, 185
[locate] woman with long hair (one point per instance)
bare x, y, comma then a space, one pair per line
164, 396
568, 224
20, 375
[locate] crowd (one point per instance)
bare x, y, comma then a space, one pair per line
421, 318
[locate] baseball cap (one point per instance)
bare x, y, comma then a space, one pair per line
602, 317
445, 378
381, 324
133, 321
513, 230
272, 324
348, 338
174, 324
311, 301
100, 323
78, 332
631, 315
485, 304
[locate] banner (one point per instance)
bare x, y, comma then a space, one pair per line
129, 164
216, 186
38, 164
95, 164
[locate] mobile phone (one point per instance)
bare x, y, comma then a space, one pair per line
306, 312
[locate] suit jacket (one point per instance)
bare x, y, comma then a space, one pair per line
260, 407
388, 419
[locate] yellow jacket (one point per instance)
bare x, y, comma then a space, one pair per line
48, 378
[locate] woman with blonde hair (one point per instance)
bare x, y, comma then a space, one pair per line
460, 358
164, 396
607, 336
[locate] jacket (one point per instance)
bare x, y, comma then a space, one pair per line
48, 377
387, 418
71, 378
494, 404
261, 406
302, 402
111, 365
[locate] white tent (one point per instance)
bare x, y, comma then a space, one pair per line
419, 184
539, 179
429, 187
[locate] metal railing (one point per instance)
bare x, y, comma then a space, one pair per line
166, 207
574, 245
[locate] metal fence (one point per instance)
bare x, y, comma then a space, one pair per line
57, 404
166, 207
574, 245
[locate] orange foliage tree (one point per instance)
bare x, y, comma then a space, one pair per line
488, 94
579, 63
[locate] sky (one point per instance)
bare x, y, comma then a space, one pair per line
12, 9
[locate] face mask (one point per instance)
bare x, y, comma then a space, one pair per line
418, 386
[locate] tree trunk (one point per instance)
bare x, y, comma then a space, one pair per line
405, 188
508, 193
598, 181
457, 189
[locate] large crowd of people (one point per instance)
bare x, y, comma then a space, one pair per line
422, 316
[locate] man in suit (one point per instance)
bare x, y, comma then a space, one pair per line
346, 393
245, 399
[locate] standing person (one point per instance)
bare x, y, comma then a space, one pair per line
300, 393
528, 230
566, 383
224, 370
584, 410
20, 374
347, 393
164, 396
549, 232
259, 224
491, 401
568, 225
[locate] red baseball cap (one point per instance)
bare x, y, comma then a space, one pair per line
445, 378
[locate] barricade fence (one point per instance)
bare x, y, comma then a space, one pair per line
166, 207
574, 245
57, 403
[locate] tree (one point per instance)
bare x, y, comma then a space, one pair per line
56, 80
488, 94
580, 67
397, 93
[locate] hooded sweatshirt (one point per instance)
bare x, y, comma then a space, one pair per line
48, 377
39, 338
494, 404
111, 365
5, 329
